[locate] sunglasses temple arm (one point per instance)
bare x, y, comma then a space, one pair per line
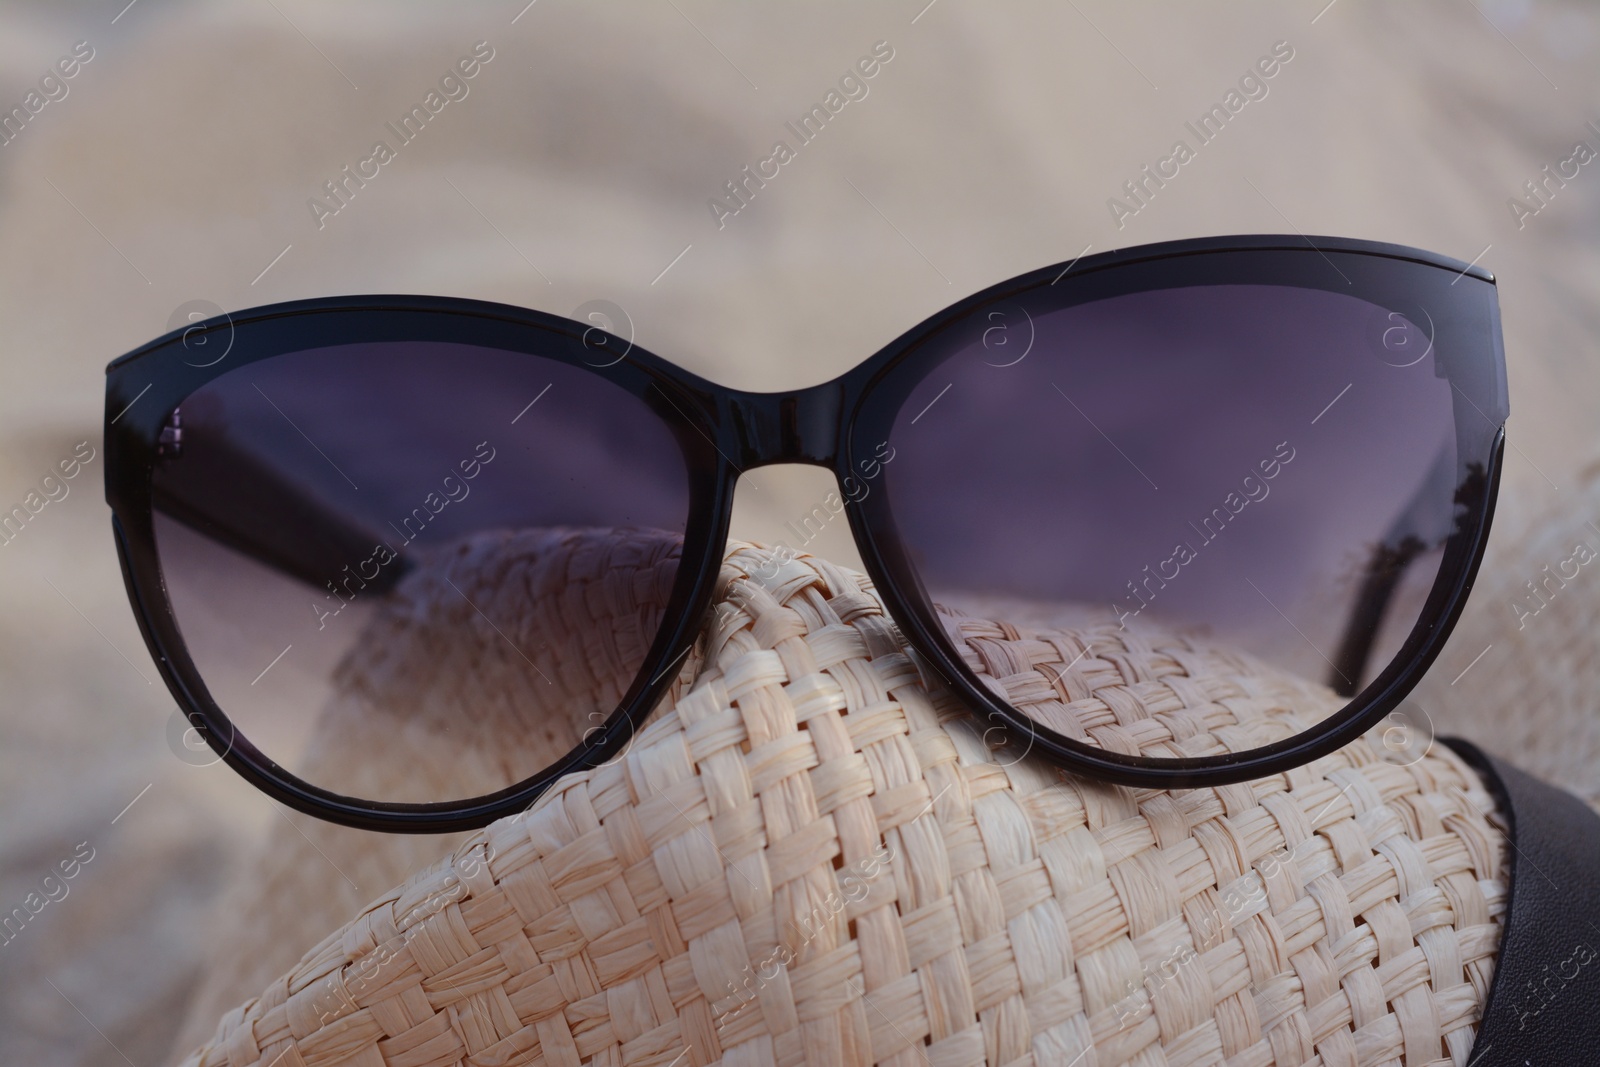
1424, 522
1383, 573
221, 490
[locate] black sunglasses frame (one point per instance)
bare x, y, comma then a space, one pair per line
725, 432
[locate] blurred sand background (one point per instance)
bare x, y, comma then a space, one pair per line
178, 168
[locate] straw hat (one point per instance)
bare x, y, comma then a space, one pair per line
811, 855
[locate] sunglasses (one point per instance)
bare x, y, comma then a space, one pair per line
1290, 448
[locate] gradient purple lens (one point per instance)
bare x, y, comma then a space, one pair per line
1228, 458
417, 572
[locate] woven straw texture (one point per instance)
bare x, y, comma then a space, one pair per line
812, 856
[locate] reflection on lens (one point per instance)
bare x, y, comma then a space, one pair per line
417, 572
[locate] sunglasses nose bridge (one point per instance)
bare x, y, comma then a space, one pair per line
797, 427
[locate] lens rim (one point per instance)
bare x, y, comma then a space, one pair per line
146, 384
1460, 299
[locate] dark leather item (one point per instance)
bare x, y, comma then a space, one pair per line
1544, 1002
